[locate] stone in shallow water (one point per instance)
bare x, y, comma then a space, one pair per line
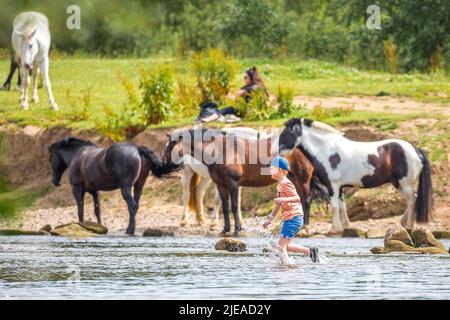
422, 237
441, 234
158, 232
232, 245
354, 233
46, 228
14, 232
399, 247
94, 227
397, 232
377, 250
72, 230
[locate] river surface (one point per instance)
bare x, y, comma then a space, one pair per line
116, 267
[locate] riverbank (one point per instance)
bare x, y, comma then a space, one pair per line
25, 165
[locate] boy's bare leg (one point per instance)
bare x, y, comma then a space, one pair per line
282, 247
298, 249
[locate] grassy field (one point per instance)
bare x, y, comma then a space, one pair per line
71, 78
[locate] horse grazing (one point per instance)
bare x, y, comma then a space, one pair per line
340, 162
13, 67
31, 42
93, 169
240, 163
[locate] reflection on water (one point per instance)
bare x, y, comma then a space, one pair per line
189, 268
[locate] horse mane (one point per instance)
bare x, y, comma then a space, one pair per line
246, 133
71, 142
325, 127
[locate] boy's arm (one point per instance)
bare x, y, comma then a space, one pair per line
272, 215
274, 212
288, 199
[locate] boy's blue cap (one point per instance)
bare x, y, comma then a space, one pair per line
281, 163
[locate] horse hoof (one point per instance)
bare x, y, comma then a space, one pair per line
213, 227
236, 233
130, 232
35, 100
335, 232
24, 106
184, 224
54, 106
224, 233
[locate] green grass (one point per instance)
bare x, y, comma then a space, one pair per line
314, 78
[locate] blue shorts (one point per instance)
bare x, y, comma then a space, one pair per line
290, 228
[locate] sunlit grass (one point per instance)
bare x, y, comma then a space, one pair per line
314, 78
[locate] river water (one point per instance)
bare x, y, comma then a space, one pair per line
116, 267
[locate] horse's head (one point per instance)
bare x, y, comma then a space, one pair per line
289, 138
61, 154
58, 164
29, 47
173, 150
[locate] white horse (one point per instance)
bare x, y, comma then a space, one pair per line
31, 42
195, 181
340, 162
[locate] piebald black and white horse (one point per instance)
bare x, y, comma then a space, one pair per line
340, 162
92, 169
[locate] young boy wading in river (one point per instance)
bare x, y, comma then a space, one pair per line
291, 212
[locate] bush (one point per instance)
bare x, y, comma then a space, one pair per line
80, 107
188, 98
157, 93
257, 108
285, 101
152, 106
128, 121
214, 72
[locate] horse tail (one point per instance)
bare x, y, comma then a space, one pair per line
157, 167
195, 180
424, 199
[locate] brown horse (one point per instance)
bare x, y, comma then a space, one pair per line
231, 162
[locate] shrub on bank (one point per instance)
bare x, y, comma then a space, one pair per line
214, 71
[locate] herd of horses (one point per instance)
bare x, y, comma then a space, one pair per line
321, 159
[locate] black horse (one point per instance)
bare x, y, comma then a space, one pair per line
14, 66
93, 169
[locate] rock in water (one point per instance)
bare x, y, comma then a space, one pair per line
354, 233
441, 234
422, 237
72, 230
46, 228
377, 250
14, 232
94, 227
431, 250
232, 245
397, 232
397, 246
154, 232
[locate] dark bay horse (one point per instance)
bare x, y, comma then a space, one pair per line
234, 162
92, 169
340, 162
